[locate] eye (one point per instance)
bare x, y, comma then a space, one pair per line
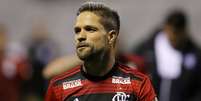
90, 29
77, 30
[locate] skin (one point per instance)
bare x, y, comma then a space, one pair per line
94, 45
61, 65
177, 39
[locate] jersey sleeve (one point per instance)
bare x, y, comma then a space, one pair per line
147, 92
50, 95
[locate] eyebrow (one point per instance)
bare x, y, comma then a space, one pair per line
86, 26
90, 26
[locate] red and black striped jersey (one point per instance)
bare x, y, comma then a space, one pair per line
120, 84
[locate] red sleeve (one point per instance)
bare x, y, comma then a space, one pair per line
147, 92
50, 95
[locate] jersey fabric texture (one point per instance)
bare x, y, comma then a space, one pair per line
120, 84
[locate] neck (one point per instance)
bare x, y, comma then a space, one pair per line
99, 65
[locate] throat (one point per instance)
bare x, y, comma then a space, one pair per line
98, 67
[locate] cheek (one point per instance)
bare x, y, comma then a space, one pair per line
75, 40
99, 41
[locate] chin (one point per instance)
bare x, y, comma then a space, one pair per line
82, 56
84, 53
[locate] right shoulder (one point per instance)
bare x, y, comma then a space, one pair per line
55, 88
66, 74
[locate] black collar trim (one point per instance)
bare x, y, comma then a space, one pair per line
99, 78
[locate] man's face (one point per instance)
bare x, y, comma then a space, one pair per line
177, 38
90, 35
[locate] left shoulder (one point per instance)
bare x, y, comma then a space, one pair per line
133, 72
140, 82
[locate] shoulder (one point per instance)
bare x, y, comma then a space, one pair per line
141, 83
147, 44
133, 72
66, 75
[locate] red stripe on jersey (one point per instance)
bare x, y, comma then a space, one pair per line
105, 86
67, 74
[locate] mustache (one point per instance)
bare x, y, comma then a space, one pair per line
82, 44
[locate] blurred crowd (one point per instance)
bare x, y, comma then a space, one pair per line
21, 64
170, 57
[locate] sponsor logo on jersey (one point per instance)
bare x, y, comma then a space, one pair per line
121, 80
72, 84
121, 96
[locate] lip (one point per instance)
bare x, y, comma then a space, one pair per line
82, 45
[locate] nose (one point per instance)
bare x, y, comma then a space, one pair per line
81, 36
81, 39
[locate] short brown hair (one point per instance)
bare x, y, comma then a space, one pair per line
109, 17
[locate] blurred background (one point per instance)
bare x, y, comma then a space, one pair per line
34, 32
138, 17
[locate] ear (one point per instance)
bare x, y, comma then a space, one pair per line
112, 36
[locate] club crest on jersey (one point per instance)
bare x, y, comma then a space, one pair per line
76, 99
121, 80
72, 84
121, 96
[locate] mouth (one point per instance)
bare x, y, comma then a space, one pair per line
82, 46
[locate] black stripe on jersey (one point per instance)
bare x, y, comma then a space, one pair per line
100, 78
129, 73
116, 71
70, 78
120, 96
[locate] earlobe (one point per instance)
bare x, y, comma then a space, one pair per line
112, 36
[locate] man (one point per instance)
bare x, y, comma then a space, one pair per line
41, 49
100, 78
173, 60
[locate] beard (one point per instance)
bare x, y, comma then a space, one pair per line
84, 52
89, 53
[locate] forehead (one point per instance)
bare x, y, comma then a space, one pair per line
87, 18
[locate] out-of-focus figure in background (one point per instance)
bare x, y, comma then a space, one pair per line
173, 60
41, 50
60, 65
13, 67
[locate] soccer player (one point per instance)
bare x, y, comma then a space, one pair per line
100, 77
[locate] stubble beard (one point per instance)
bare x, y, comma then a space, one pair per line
84, 54
90, 55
